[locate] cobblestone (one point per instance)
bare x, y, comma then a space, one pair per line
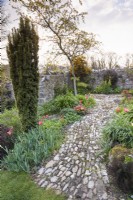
76, 170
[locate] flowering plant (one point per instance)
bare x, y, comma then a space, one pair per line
80, 109
40, 122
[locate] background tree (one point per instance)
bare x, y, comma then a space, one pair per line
22, 51
4, 23
81, 67
129, 61
61, 19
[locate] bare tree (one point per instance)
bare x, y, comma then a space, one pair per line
112, 60
129, 61
61, 19
4, 23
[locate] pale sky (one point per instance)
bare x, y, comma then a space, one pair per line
110, 20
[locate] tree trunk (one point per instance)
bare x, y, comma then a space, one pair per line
74, 81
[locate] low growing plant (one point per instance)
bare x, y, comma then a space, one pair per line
33, 147
104, 88
10, 118
6, 140
117, 131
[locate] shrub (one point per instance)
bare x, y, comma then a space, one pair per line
121, 165
33, 147
65, 101
82, 88
117, 131
10, 118
71, 117
104, 88
110, 75
86, 100
6, 140
47, 108
60, 90
80, 67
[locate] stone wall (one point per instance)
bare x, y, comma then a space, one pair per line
47, 85
125, 78
48, 82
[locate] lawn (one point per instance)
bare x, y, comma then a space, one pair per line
19, 186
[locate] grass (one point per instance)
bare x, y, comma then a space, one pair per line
19, 186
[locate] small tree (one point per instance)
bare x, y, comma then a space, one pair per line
61, 19
22, 51
81, 68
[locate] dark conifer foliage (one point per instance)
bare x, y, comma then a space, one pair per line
22, 51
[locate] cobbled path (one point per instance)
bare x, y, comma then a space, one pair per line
76, 170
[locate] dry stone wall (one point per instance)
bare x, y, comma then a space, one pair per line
125, 78
49, 82
47, 85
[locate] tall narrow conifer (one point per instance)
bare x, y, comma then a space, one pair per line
22, 51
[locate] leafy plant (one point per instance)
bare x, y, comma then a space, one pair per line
110, 75
117, 131
60, 90
47, 108
70, 115
104, 88
10, 118
82, 88
33, 147
86, 100
65, 101
6, 140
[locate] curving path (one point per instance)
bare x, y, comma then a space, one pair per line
76, 170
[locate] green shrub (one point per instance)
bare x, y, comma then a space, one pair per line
110, 75
121, 166
117, 131
82, 88
87, 100
65, 101
10, 118
33, 147
47, 108
69, 115
117, 90
60, 90
104, 88
56, 105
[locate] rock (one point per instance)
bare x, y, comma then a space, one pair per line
54, 179
91, 184
57, 157
65, 187
41, 170
50, 164
48, 170
105, 196
75, 169
87, 173
68, 173
85, 180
